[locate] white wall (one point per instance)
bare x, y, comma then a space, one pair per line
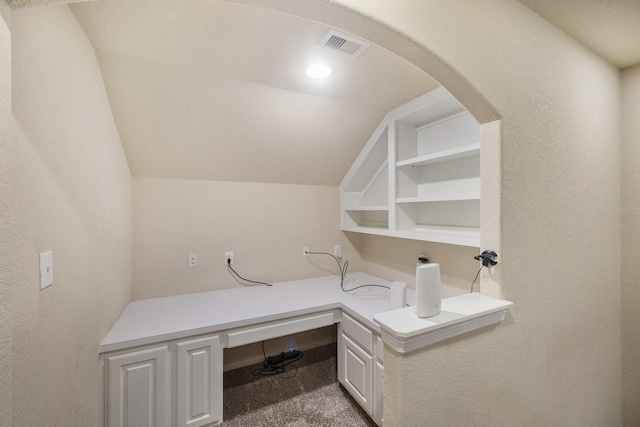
556, 361
67, 188
6, 275
630, 245
265, 225
395, 259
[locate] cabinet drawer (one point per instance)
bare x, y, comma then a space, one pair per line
278, 329
379, 348
358, 332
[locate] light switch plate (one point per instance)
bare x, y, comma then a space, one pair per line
46, 269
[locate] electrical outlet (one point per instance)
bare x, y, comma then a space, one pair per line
193, 260
46, 269
228, 258
305, 252
337, 251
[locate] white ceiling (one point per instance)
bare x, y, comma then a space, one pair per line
610, 28
216, 90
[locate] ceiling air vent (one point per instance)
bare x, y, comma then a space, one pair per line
340, 42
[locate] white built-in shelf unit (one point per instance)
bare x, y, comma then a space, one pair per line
418, 177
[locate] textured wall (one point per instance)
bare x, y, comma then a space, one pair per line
630, 245
395, 259
556, 361
6, 273
70, 192
265, 225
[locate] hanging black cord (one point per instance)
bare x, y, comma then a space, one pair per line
343, 272
242, 278
474, 280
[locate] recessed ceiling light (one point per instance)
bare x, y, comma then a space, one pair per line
319, 71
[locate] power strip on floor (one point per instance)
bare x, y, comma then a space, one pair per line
282, 357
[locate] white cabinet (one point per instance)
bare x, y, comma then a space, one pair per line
175, 384
418, 177
356, 373
378, 382
359, 368
198, 382
139, 389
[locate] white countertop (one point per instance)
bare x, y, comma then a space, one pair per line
404, 331
162, 319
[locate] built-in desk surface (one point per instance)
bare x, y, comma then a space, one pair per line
162, 319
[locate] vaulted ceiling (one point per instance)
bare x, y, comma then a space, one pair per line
216, 90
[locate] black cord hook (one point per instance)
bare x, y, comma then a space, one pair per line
488, 258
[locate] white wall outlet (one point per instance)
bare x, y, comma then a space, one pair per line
337, 251
193, 260
305, 252
46, 269
228, 258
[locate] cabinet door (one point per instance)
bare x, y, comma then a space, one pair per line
199, 382
355, 372
139, 389
378, 393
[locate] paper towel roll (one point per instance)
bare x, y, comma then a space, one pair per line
398, 294
428, 290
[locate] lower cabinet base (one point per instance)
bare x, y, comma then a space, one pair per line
180, 383
141, 393
360, 367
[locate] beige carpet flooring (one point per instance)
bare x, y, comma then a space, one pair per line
305, 395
